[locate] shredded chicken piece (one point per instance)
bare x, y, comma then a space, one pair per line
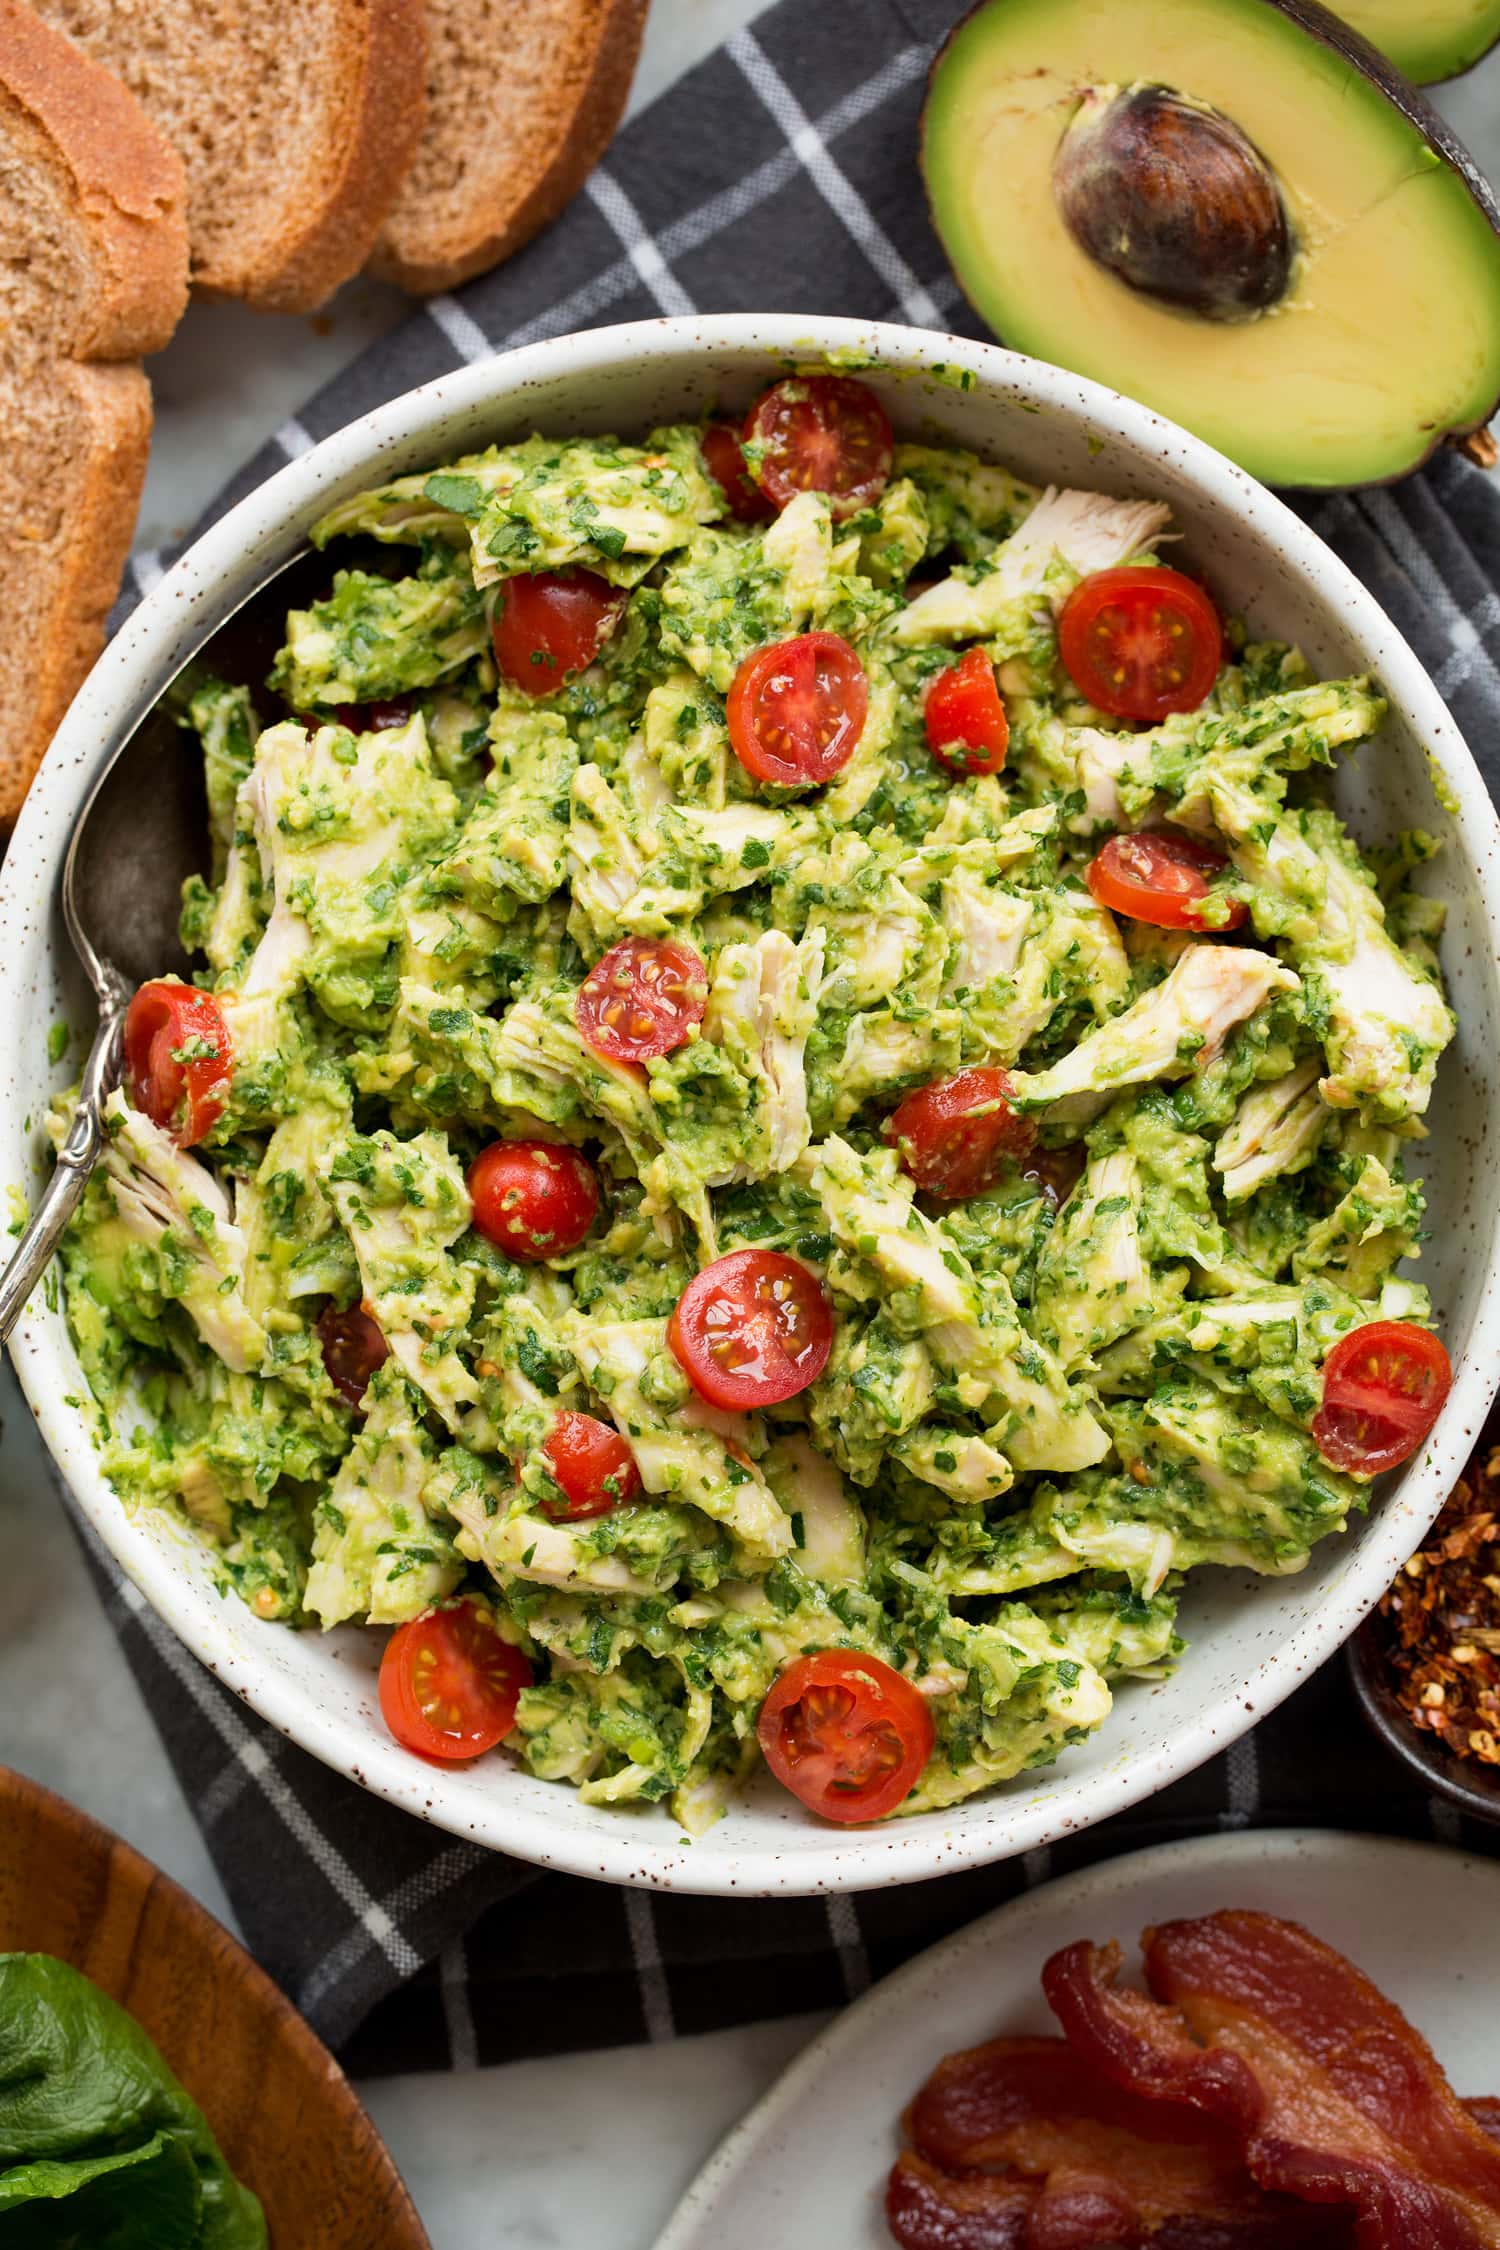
692, 1452
161, 1191
761, 1007
1081, 531
988, 929
1172, 1028
1275, 1130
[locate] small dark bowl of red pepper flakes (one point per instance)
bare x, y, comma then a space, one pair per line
1426, 1662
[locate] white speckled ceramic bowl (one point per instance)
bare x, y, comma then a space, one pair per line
1250, 1641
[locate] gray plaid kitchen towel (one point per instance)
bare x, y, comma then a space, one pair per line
781, 175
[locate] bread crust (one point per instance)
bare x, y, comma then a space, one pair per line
61, 571
381, 116
111, 410
129, 182
423, 254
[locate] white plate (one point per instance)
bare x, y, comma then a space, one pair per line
809, 2163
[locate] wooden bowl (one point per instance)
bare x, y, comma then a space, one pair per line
285, 2115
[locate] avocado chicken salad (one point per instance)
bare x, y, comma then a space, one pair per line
796, 1103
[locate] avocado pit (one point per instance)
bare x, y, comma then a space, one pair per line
1170, 196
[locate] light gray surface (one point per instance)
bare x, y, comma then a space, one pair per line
586, 2151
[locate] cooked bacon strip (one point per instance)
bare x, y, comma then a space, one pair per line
926, 2210
1337, 2098
1087, 2163
1035, 2103
1227, 1967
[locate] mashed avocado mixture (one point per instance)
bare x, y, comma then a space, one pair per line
1045, 1402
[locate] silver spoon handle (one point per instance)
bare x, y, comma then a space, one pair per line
75, 1161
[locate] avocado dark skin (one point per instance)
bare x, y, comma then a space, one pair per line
1171, 197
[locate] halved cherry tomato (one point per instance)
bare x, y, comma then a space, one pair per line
751, 1329
449, 1684
594, 1467
1162, 877
353, 1346
797, 709
1384, 1386
955, 1135
821, 433
1140, 642
967, 728
178, 1059
726, 465
643, 998
846, 1734
552, 624
533, 1199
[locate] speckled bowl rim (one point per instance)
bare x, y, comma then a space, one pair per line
190, 601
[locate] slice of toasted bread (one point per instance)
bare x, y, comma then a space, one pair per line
93, 272
296, 124
521, 103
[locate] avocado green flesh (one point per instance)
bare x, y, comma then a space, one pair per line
1032, 1421
1389, 336
1428, 40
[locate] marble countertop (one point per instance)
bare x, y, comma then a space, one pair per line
586, 2151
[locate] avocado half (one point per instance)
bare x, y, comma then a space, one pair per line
1232, 210
1426, 39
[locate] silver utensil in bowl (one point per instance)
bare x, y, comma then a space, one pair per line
141, 832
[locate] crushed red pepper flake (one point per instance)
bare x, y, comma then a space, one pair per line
1444, 1613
